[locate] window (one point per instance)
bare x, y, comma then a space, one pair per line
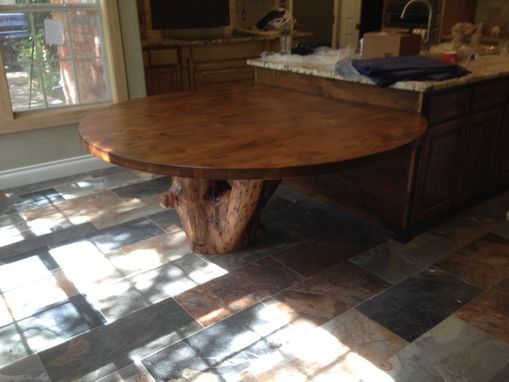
59, 59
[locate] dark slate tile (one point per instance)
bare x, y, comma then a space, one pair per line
106, 349
418, 303
13, 347
36, 199
278, 208
503, 230
302, 201
465, 228
52, 239
483, 262
138, 190
131, 373
489, 312
394, 261
451, 351
111, 238
502, 375
58, 323
175, 277
98, 181
28, 369
327, 294
308, 223
271, 242
223, 349
321, 253
167, 219
235, 291
117, 299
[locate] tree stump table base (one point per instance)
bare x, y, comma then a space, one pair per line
219, 216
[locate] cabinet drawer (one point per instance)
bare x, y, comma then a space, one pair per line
162, 57
206, 74
490, 94
446, 106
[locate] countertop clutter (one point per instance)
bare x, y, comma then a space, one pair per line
484, 68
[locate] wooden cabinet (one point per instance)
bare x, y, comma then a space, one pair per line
502, 159
459, 158
438, 169
215, 64
162, 71
210, 73
191, 67
479, 138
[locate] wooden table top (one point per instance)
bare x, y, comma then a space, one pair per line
245, 131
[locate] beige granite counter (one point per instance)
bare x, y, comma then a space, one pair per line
484, 68
171, 42
236, 37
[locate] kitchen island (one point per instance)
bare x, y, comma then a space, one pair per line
464, 156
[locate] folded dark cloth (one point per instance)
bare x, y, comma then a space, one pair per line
386, 71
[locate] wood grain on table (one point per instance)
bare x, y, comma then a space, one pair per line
246, 131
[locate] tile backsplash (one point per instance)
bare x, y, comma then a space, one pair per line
494, 12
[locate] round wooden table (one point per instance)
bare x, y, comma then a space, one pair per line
228, 147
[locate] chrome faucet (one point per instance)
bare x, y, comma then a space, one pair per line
426, 43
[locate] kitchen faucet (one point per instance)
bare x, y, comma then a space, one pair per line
426, 43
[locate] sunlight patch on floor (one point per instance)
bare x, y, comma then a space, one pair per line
151, 253
9, 235
315, 355
84, 264
22, 272
26, 300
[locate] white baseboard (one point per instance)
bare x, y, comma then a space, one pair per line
50, 170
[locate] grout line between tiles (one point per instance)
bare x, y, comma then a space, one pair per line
42, 366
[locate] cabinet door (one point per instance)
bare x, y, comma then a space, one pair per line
478, 153
161, 80
436, 178
211, 73
162, 71
502, 165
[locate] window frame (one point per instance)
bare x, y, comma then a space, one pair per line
12, 122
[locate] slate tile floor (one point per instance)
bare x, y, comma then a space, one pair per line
98, 284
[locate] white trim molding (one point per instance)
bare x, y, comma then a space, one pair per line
50, 170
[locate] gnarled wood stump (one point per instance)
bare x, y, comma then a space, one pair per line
219, 216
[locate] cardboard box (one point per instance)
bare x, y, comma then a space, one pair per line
384, 44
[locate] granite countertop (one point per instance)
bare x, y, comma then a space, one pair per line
217, 39
484, 68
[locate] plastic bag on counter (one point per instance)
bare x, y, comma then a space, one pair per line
323, 58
